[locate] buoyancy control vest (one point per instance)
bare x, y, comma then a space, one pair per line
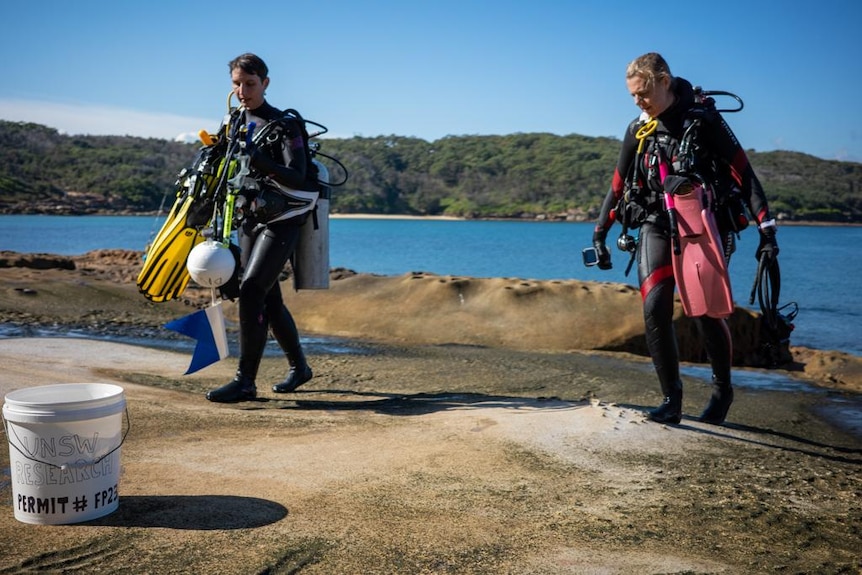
687, 155
265, 199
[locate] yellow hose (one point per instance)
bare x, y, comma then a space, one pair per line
644, 131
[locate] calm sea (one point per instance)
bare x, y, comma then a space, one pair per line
819, 268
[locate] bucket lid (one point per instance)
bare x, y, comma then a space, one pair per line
63, 402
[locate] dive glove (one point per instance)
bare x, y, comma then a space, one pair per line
266, 166
602, 252
258, 159
768, 244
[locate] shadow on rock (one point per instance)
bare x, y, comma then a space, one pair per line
420, 403
794, 443
768, 438
197, 512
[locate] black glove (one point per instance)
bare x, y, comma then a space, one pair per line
266, 166
768, 245
604, 256
257, 158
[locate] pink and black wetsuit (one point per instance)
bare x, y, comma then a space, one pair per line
722, 160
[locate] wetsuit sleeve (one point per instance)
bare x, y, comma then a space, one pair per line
607, 214
289, 169
728, 149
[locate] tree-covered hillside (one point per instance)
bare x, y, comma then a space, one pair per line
513, 176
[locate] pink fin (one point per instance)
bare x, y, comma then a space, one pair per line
700, 269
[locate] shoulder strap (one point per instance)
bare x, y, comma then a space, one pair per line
688, 148
703, 109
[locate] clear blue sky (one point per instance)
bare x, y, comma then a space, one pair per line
431, 69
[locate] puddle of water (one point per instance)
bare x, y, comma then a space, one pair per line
845, 412
758, 380
171, 341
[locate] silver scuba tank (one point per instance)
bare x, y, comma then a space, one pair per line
311, 258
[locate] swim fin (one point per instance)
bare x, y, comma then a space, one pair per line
164, 276
699, 268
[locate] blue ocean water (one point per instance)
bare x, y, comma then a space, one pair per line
819, 269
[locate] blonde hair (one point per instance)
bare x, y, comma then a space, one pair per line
651, 67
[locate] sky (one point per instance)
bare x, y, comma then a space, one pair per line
434, 69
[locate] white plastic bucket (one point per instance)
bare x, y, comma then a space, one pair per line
64, 451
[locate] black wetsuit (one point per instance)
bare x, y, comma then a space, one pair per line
730, 168
265, 249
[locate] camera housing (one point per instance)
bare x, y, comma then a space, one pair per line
591, 257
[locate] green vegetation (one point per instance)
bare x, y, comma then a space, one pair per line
513, 176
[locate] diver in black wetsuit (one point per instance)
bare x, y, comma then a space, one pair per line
718, 156
268, 236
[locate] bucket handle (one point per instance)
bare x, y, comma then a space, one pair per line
66, 466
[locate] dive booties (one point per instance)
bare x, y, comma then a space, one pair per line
299, 373
670, 411
240, 388
719, 403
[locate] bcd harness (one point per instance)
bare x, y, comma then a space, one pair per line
658, 155
264, 200
260, 198
268, 201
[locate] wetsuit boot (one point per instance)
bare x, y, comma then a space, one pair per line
670, 411
718, 343
240, 388
252, 340
719, 403
299, 373
658, 321
284, 330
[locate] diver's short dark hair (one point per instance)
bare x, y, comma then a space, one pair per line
250, 64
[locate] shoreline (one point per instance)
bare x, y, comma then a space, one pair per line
393, 217
543, 218
96, 293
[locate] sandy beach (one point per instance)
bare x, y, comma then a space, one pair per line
437, 442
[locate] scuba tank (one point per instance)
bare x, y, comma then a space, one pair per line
311, 257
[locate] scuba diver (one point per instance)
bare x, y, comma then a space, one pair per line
680, 142
271, 208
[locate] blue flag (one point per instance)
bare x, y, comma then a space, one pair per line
207, 327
